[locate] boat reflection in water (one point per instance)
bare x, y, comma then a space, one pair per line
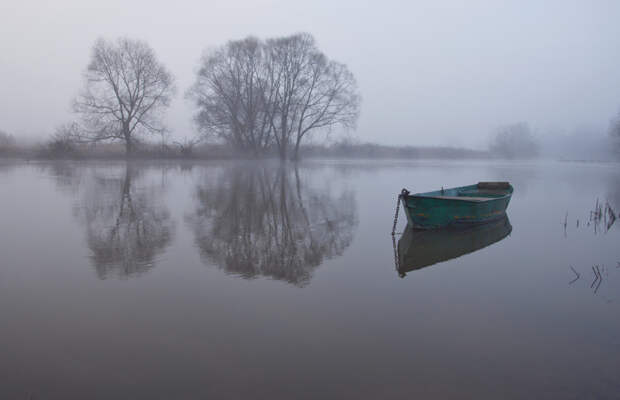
420, 248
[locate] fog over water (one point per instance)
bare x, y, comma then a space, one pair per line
228, 280
284, 199
430, 73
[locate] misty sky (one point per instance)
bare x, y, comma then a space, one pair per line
430, 73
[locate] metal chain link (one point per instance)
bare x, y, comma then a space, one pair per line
396, 216
402, 194
396, 260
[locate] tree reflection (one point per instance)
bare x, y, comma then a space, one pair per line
67, 175
126, 226
265, 221
6, 166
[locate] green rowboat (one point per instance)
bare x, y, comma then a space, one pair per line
474, 204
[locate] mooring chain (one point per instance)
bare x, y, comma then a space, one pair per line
403, 193
396, 261
396, 216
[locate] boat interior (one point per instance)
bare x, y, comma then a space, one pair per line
483, 191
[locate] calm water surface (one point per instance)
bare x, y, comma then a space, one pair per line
230, 280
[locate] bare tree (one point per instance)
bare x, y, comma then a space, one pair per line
7, 141
312, 91
614, 132
514, 141
232, 97
126, 88
256, 94
186, 147
64, 140
614, 127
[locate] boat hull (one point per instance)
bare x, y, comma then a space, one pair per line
466, 205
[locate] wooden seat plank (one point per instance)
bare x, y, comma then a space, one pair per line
462, 198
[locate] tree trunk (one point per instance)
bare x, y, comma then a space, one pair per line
283, 145
296, 153
128, 142
282, 149
128, 147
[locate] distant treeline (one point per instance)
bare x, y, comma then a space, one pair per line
63, 145
214, 151
346, 149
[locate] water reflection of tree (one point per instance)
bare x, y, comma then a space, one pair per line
266, 222
6, 166
126, 226
67, 175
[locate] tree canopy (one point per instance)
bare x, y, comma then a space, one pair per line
125, 89
260, 95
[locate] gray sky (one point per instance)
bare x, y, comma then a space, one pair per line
430, 73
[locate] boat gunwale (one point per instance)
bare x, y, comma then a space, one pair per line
460, 198
472, 199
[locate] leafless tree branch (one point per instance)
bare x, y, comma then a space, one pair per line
125, 89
